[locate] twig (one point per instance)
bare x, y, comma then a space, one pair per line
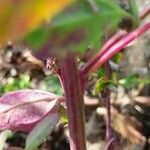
108, 72
145, 13
88, 67
109, 144
107, 53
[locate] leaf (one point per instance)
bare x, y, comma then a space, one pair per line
129, 127
134, 11
4, 135
78, 27
102, 83
41, 131
22, 82
17, 17
53, 84
22, 110
131, 81
63, 115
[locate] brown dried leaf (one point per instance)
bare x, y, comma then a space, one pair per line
128, 127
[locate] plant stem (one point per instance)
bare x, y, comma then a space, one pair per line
88, 67
74, 99
106, 54
108, 72
145, 13
106, 98
108, 120
110, 143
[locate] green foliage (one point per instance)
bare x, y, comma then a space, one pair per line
4, 135
134, 11
41, 131
22, 82
133, 81
63, 115
118, 57
79, 26
101, 84
37, 37
53, 85
101, 72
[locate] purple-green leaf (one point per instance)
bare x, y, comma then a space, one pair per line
22, 110
41, 131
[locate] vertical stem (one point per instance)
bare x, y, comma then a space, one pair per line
106, 98
106, 95
108, 121
74, 99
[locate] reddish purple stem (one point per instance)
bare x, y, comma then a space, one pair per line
110, 143
145, 13
109, 51
88, 67
108, 72
108, 120
74, 101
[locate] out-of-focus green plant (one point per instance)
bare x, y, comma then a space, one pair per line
4, 135
22, 82
53, 85
80, 25
134, 81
